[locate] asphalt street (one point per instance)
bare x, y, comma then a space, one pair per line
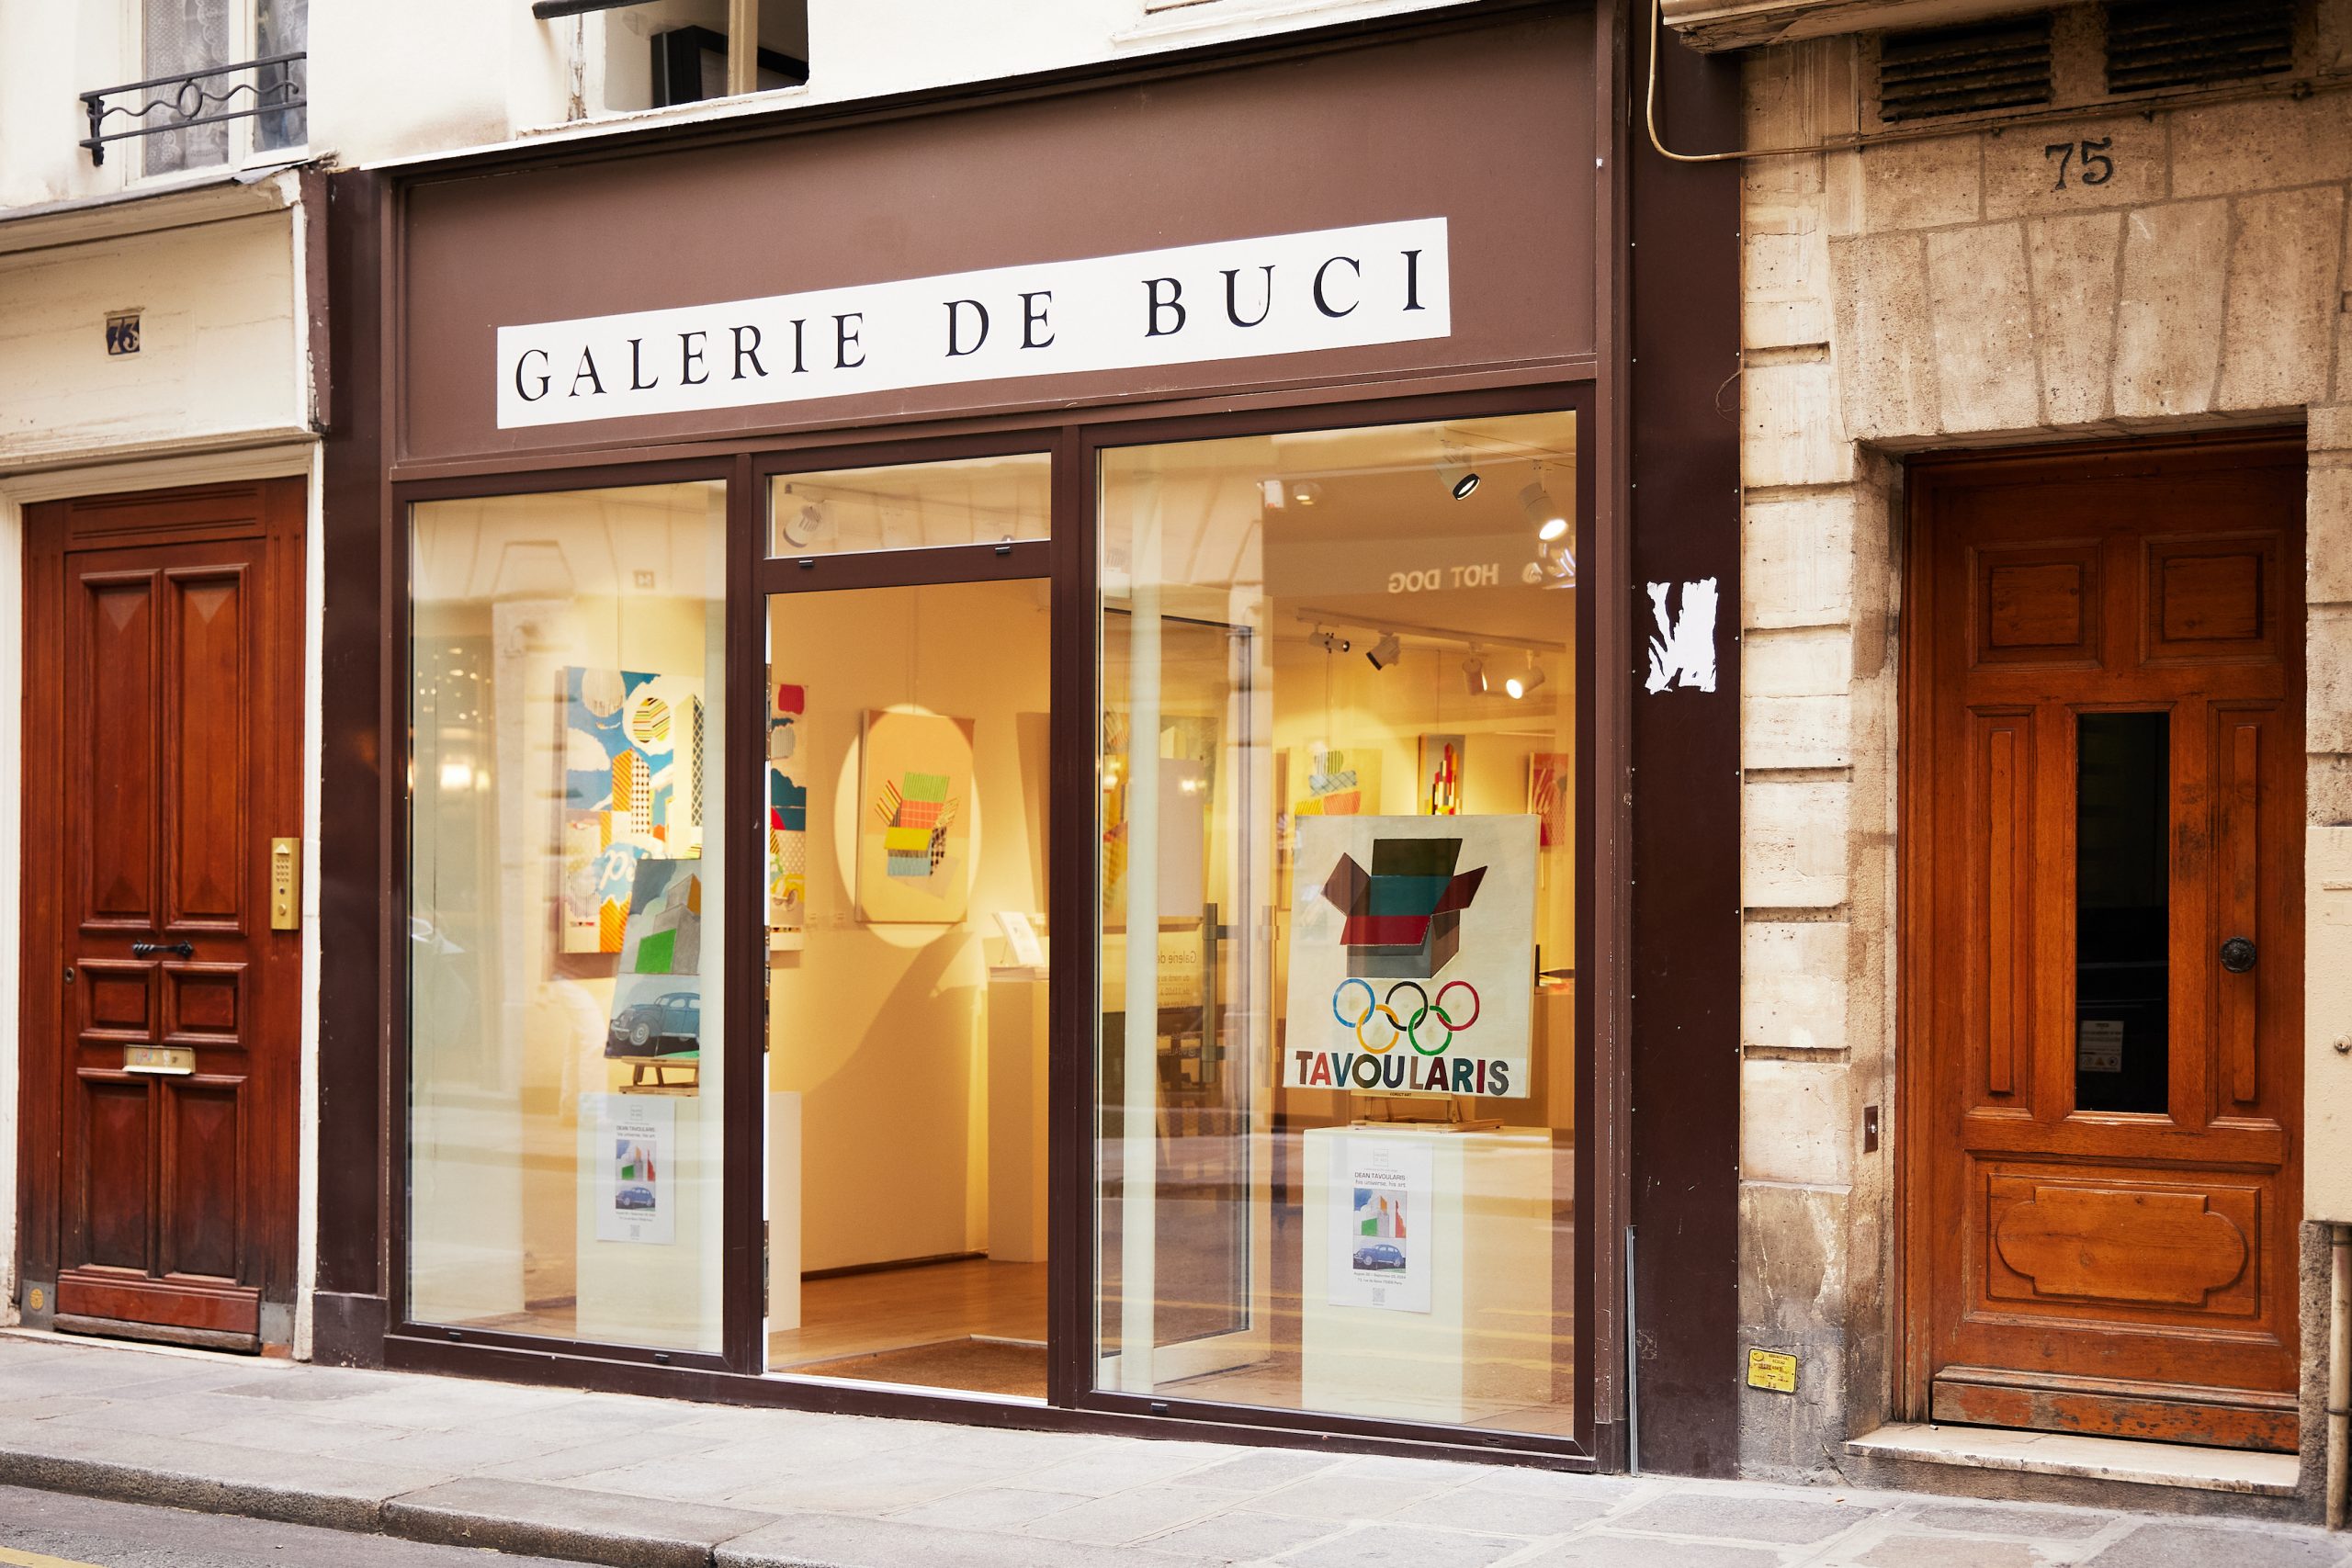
47, 1529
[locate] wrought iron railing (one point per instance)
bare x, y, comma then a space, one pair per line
273, 88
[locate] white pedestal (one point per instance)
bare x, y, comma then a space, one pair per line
1485, 1343
661, 1295
784, 1210
1016, 1025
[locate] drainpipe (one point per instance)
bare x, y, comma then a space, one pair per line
2339, 1375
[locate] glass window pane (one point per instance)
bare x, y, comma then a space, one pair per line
567, 700
972, 500
1337, 1053
176, 36
2122, 911
281, 26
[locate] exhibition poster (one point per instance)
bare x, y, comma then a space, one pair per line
1380, 1216
787, 816
632, 787
914, 840
1412, 955
637, 1192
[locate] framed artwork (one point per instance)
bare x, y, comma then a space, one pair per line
1412, 955
1550, 786
914, 825
632, 787
1440, 792
1340, 782
787, 816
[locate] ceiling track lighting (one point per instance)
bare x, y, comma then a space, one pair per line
1474, 674
1526, 680
1332, 641
1386, 651
1546, 516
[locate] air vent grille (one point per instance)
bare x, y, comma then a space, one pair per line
2195, 43
1949, 71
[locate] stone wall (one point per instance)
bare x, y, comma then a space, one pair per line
1945, 292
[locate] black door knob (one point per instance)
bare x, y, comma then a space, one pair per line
2237, 955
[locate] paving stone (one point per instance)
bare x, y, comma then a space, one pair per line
557, 1521
1603, 1550
1261, 1471
1949, 1552
459, 1454
831, 1541
990, 1507
2168, 1545
885, 1484
1244, 1538
588, 1459
172, 1415
1523, 1513
309, 1385
1789, 1521
1340, 1498
1996, 1519
1113, 1466
1131, 1515
1398, 1546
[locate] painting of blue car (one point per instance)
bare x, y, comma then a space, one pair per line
662, 1025
1380, 1255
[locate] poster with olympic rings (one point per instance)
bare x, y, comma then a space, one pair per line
1412, 955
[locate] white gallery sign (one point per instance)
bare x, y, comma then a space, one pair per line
1377, 283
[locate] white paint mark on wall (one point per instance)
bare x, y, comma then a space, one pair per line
1682, 650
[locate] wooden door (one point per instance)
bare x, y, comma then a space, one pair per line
2104, 795
163, 657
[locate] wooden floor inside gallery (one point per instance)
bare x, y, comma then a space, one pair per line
894, 1309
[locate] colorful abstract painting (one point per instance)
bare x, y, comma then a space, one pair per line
632, 787
914, 831
1340, 782
1441, 786
787, 816
1549, 788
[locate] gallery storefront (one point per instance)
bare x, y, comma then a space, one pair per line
998, 786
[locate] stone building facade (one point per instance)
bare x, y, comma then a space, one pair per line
1925, 286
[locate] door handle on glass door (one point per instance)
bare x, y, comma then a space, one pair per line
2237, 955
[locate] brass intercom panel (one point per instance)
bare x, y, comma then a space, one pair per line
285, 884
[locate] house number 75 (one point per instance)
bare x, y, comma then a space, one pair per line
2097, 169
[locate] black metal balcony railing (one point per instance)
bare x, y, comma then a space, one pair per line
274, 88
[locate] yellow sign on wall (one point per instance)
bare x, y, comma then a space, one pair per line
1772, 1369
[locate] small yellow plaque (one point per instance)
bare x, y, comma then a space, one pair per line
1772, 1369
36, 1300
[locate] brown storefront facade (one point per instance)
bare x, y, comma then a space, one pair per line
1362, 661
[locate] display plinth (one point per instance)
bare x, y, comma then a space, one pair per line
784, 1210
1017, 1036
1486, 1344
661, 1294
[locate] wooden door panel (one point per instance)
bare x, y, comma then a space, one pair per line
210, 855
205, 1172
163, 653
116, 1172
116, 837
2103, 754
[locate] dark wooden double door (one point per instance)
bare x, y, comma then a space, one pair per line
164, 707
2104, 819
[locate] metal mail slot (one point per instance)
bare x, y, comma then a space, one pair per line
158, 1059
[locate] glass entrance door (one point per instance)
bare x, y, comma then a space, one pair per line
907, 959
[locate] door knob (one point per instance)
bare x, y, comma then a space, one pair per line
2237, 955
187, 949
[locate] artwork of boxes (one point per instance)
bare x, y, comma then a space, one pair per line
1404, 917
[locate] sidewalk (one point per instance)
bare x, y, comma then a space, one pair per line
606, 1478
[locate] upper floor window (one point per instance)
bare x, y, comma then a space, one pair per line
658, 53
227, 75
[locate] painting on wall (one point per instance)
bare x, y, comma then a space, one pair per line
1340, 782
1413, 931
787, 816
632, 787
914, 830
1439, 794
1187, 786
1549, 789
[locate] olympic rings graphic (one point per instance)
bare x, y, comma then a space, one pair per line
1400, 1027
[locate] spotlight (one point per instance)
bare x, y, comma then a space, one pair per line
1306, 493
1384, 652
805, 524
1454, 469
1519, 685
1474, 674
1332, 641
1463, 486
1549, 519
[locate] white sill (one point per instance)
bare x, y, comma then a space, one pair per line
736, 107
1174, 19
2094, 1459
255, 166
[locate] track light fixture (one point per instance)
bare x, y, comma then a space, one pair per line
1386, 651
1546, 516
1526, 680
1474, 674
1332, 641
